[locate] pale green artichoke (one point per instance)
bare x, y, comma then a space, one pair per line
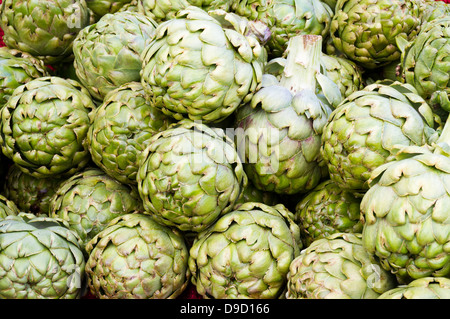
122, 127
202, 66
45, 28
246, 253
40, 258
366, 30
30, 194
278, 134
286, 19
328, 209
337, 267
423, 288
135, 257
108, 53
163, 10
189, 175
89, 200
406, 216
44, 125
425, 64
370, 126
17, 68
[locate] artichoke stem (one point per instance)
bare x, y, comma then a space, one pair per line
302, 63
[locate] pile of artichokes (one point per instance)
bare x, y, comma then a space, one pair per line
251, 149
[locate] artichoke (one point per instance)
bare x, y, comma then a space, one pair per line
286, 19
369, 127
45, 29
44, 125
89, 200
102, 7
7, 207
108, 53
136, 257
406, 216
17, 68
423, 288
122, 127
29, 193
278, 134
337, 267
435, 10
366, 30
252, 194
425, 64
163, 10
328, 209
189, 175
201, 65
246, 253
40, 258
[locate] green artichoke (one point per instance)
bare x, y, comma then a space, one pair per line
278, 134
40, 258
366, 30
202, 66
435, 10
425, 64
369, 127
17, 68
7, 207
328, 209
246, 253
30, 194
406, 216
163, 10
135, 257
337, 267
108, 53
44, 125
286, 19
46, 28
423, 288
102, 7
189, 175
122, 127
89, 200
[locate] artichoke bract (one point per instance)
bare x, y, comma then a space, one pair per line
44, 125
246, 253
17, 68
89, 200
189, 175
286, 19
40, 259
366, 30
108, 53
31, 194
121, 130
278, 134
135, 257
370, 126
425, 63
328, 209
46, 28
7, 207
202, 66
163, 10
337, 267
423, 288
